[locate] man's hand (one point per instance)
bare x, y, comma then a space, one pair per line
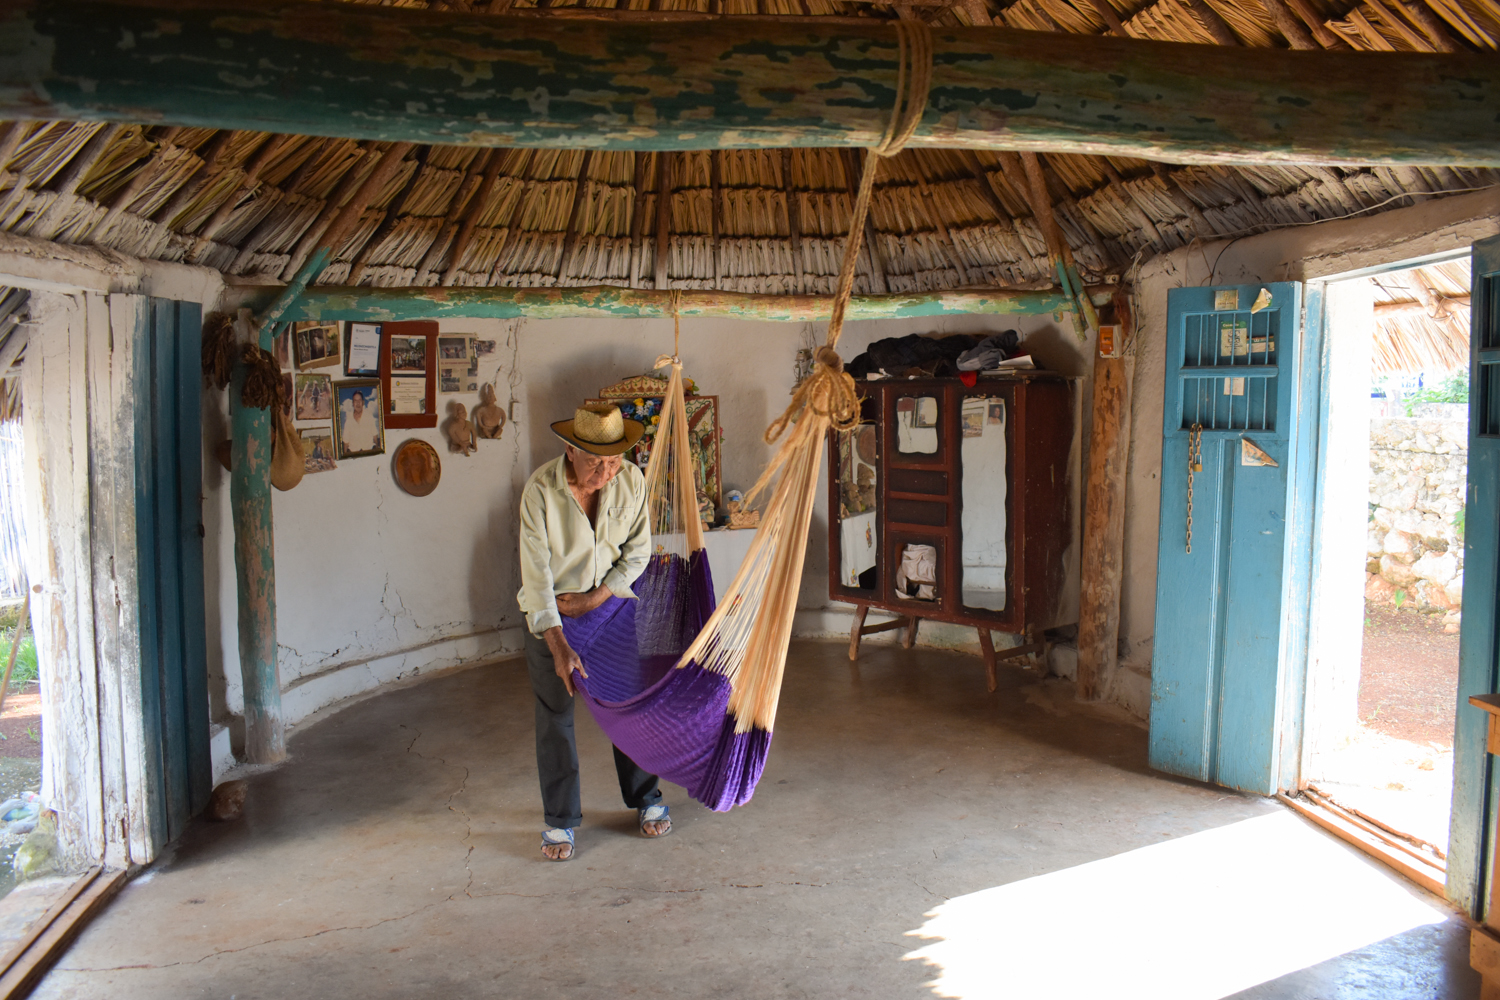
564, 659
573, 605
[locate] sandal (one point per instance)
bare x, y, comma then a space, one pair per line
654, 814
555, 837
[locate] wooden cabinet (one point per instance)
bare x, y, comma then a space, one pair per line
955, 504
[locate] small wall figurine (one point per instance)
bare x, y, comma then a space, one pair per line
461, 436
489, 416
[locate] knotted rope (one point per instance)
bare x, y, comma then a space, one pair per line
675, 358
829, 391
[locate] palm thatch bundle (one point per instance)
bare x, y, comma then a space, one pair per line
253, 204
1422, 319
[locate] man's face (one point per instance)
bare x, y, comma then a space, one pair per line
591, 472
357, 404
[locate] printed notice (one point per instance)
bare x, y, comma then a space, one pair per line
1226, 299
409, 395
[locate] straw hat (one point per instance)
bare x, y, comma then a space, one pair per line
600, 429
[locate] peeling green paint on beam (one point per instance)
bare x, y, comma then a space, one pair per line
388, 73
609, 302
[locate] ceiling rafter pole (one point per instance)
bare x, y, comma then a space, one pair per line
451, 220
949, 246
793, 219
1293, 30
200, 178
713, 214
1002, 214
1432, 25
127, 194
638, 219
1084, 317
1065, 200
392, 216
1110, 17
72, 176
662, 251
309, 237
249, 177
1326, 37
1078, 93
533, 190
270, 221
476, 208
1213, 23
573, 233
344, 218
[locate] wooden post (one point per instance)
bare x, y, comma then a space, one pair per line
726, 83
254, 539
1104, 522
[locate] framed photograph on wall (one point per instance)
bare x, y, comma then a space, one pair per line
408, 373
316, 345
362, 353
318, 450
314, 397
357, 425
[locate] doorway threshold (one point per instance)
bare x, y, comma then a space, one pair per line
32, 943
1425, 869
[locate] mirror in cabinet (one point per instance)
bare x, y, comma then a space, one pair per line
917, 424
858, 473
984, 489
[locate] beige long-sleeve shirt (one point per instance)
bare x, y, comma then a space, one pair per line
561, 553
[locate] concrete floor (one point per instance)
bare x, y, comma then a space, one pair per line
912, 837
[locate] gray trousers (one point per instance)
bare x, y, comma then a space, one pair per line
557, 748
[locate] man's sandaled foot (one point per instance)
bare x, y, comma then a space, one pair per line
654, 821
557, 844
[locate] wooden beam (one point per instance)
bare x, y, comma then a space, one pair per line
127, 194
725, 84
793, 219
1111, 17
1104, 516
613, 301
1436, 310
270, 222
665, 161
203, 175
1431, 25
471, 216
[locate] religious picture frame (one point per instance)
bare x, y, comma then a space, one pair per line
641, 398
358, 429
409, 373
362, 350
316, 345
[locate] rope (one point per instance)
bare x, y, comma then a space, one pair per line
829, 390
675, 358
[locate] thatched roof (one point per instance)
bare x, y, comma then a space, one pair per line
1422, 319
252, 204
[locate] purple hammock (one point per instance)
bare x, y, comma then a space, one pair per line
672, 722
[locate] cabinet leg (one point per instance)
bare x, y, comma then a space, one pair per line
987, 649
858, 630
911, 633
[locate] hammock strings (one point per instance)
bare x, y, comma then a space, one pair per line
747, 637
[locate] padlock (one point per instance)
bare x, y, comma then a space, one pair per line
1197, 466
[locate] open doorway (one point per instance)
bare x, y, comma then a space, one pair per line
1384, 669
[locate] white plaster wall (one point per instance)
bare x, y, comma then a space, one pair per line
1300, 253
374, 586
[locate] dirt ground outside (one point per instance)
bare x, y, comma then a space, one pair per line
1409, 675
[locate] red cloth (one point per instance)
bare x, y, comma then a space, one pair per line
969, 379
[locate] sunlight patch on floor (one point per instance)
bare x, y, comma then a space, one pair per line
1197, 918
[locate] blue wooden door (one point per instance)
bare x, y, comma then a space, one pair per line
1471, 829
1227, 665
169, 539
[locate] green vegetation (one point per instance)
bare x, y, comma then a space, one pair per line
1453, 389
25, 671
1399, 597
1458, 521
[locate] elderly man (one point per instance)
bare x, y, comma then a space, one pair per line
584, 537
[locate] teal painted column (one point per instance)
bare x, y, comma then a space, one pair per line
254, 537
255, 565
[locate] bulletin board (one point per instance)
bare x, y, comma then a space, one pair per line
398, 365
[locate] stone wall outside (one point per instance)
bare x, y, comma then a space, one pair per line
1418, 468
